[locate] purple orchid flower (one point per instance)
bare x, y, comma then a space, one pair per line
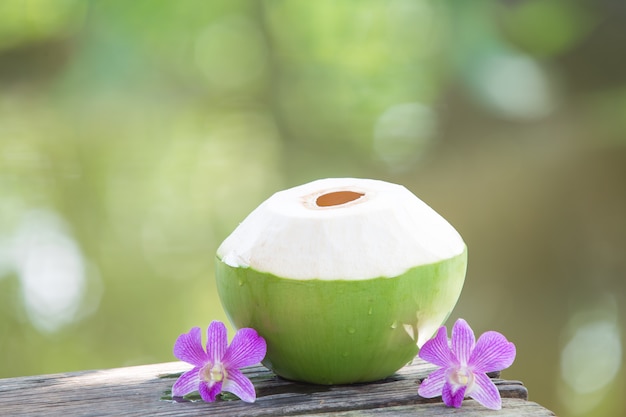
217, 369
463, 365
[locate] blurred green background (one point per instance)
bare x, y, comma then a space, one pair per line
135, 135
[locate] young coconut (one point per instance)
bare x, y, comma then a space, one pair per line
344, 278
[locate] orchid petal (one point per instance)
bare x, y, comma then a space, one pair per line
209, 390
433, 385
437, 351
463, 341
247, 348
188, 348
453, 398
492, 353
485, 392
187, 383
217, 341
240, 385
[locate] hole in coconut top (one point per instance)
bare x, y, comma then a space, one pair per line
337, 198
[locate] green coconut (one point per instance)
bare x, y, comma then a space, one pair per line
344, 278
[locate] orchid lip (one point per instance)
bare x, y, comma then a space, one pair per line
213, 373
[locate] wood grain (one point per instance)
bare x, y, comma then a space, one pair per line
144, 391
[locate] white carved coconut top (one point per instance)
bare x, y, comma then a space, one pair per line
341, 228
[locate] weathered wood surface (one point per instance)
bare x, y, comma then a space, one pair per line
143, 391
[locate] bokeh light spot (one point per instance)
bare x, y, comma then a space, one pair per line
591, 358
402, 132
515, 87
51, 270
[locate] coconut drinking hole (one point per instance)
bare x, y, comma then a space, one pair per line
337, 198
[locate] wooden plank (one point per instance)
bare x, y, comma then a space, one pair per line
511, 407
144, 390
